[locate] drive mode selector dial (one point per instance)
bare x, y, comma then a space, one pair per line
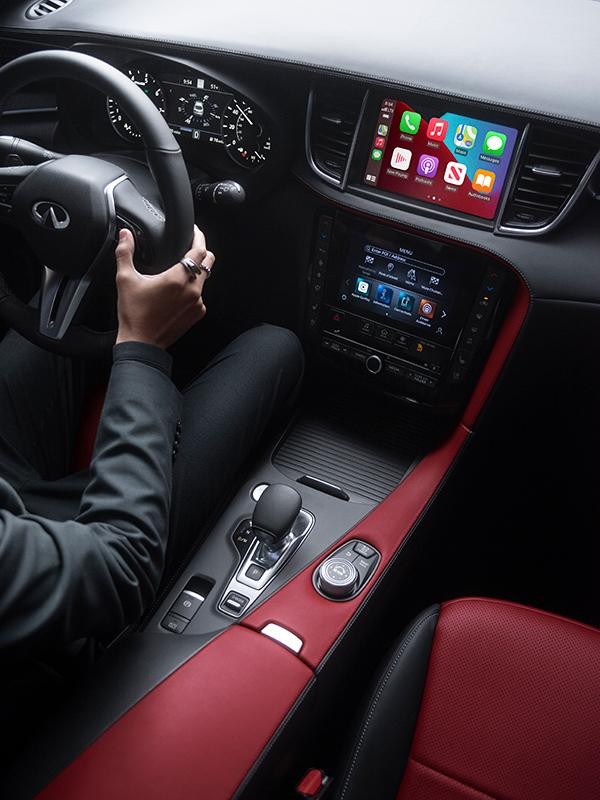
337, 577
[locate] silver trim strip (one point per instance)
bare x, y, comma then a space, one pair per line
283, 636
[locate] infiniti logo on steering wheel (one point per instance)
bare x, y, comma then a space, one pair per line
50, 215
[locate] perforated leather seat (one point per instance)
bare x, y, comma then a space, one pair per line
482, 699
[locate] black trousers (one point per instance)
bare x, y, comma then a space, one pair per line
226, 409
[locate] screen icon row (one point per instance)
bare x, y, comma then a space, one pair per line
406, 301
464, 136
455, 173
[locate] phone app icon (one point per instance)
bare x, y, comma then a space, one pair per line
406, 302
401, 158
427, 308
465, 136
455, 173
362, 287
428, 166
437, 129
376, 154
410, 122
380, 141
382, 130
383, 294
494, 143
483, 181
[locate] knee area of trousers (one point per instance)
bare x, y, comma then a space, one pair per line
279, 345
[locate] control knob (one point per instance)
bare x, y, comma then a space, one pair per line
337, 578
373, 364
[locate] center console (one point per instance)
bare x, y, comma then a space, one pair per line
412, 315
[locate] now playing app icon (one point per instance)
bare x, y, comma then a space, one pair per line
455, 173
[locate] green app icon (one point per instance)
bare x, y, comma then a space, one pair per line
376, 154
410, 122
494, 143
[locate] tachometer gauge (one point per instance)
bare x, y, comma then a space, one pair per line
245, 138
150, 86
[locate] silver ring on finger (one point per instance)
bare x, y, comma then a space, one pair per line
192, 268
206, 269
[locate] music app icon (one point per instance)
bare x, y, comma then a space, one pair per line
437, 129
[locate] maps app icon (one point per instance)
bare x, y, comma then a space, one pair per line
465, 136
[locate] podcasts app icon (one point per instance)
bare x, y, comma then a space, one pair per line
428, 166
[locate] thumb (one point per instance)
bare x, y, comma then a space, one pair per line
125, 250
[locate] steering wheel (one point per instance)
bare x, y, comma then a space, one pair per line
69, 207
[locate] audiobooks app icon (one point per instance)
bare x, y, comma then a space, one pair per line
483, 181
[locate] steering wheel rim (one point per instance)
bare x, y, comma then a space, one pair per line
163, 235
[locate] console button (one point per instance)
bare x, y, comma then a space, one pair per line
337, 577
394, 369
364, 567
457, 374
384, 334
365, 327
349, 554
236, 602
364, 550
335, 320
463, 358
254, 572
187, 604
359, 355
174, 623
402, 340
373, 364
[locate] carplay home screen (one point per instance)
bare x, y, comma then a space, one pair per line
453, 161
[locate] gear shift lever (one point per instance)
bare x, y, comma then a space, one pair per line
272, 520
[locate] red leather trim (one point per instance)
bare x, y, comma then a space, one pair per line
198, 733
511, 707
319, 622
90, 419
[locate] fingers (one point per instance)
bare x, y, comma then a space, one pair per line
124, 251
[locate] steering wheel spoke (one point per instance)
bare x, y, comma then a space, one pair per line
60, 298
10, 178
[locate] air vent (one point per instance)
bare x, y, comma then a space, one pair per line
45, 7
549, 178
334, 110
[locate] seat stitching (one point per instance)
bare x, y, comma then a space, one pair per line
451, 778
377, 696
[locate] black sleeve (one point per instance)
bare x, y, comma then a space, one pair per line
91, 576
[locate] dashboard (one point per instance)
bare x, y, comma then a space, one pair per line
199, 109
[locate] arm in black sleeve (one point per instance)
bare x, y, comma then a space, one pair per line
60, 581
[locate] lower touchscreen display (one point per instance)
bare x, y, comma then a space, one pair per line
384, 279
450, 160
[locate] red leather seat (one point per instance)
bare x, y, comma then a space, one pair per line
483, 699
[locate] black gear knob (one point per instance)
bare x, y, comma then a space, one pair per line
275, 513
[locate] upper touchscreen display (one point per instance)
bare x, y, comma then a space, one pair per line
452, 160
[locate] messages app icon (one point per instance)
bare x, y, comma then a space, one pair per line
494, 143
465, 136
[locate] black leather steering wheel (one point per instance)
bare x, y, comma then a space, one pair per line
70, 207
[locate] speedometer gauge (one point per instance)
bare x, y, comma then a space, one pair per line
150, 86
245, 138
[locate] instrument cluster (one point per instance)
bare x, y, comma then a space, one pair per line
199, 109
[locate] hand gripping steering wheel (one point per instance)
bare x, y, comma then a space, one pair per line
69, 207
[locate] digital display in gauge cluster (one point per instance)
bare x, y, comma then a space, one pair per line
201, 110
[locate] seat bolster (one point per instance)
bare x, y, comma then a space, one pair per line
382, 745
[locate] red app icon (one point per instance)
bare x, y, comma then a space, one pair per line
427, 308
437, 129
379, 142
